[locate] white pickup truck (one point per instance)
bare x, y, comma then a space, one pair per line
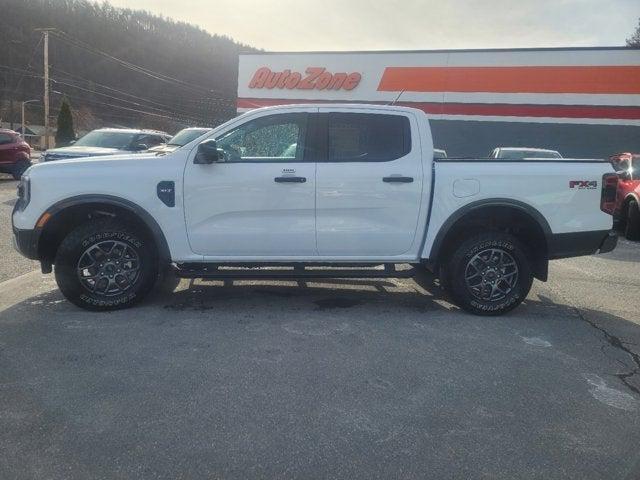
311, 191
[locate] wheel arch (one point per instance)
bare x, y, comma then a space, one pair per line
497, 214
71, 212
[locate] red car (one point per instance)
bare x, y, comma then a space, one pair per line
627, 210
15, 153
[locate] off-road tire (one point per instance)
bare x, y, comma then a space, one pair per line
632, 223
100, 234
459, 266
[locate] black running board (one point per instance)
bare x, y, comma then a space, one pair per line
288, 271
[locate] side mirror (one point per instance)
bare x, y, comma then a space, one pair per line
624, 175
139, 147
207, 153
72, 142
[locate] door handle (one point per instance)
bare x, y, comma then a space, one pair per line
290, 179
397, 179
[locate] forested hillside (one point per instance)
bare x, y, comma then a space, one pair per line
116, 66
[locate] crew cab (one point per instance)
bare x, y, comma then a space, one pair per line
305, 191
108, 141
15, 153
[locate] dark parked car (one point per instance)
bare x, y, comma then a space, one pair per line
15, 153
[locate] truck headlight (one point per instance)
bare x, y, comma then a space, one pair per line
24, 192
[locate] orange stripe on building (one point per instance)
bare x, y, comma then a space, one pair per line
579, 79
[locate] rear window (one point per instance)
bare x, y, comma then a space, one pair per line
363, 137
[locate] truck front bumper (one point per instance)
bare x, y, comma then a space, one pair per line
26, 242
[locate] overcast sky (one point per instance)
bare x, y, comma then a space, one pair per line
405, 24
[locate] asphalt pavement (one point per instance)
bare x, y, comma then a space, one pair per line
11, 264
333, 379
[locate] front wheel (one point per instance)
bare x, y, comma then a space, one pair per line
105, 265
632, 224
489, 274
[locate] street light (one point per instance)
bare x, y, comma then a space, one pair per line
23, 104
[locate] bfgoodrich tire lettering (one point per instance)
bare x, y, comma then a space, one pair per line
128, 269
489, 274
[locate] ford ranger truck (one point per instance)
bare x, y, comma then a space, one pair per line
308, 191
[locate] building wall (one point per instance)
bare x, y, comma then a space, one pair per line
584, 102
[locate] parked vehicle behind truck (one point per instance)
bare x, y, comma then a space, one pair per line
520, 153
627, 208
107, 141
15, 153
300, 190
180, 139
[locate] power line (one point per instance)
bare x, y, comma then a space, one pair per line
20, 71
220, 101
158, 76
32, 56
123, 108
60, 82
106, 87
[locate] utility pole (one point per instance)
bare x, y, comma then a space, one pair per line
45, 32
46, 89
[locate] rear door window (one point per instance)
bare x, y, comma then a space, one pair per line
367, 137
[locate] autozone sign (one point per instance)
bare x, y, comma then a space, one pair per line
314, 78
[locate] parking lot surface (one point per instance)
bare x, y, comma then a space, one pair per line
338, 379
11, 263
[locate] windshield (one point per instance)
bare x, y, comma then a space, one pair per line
185, 136
119, 140
522, 154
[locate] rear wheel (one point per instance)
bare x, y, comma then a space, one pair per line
20, 168
105, 265
489, 274
632, 224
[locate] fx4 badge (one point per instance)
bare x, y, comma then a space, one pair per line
583, 184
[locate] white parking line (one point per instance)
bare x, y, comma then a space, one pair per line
18, 289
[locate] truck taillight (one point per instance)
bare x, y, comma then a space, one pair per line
609, 191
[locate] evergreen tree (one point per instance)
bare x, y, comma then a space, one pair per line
65, 133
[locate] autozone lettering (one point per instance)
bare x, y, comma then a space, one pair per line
315, 78
582, 184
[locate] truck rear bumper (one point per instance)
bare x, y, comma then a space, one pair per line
565, 245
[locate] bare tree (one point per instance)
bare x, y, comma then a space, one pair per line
634, 40
127, 67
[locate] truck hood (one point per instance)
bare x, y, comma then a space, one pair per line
79, 151
93, 163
